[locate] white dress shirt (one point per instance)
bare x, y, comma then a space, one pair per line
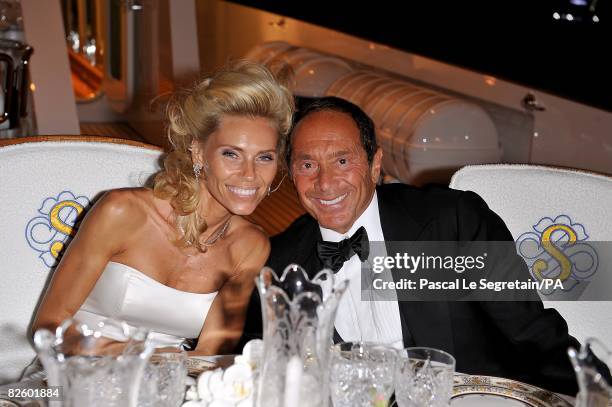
357, 319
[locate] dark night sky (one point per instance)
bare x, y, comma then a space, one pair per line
515, 40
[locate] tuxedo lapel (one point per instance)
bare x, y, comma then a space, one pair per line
423, 323
307, 249
312, 264
395, 219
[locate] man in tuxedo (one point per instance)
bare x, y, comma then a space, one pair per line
335, 163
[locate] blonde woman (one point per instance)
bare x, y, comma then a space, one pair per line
180, 259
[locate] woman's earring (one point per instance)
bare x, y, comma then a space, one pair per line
197, 170
270, 190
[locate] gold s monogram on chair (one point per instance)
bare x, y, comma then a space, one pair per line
551, 251
57, 222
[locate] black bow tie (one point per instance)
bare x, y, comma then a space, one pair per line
333, 255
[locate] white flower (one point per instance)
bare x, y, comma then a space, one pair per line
234, 387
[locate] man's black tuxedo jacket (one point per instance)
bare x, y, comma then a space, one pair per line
519, 340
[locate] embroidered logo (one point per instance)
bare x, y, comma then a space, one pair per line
47, 234
557, 249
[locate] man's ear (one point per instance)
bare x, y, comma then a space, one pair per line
375, 167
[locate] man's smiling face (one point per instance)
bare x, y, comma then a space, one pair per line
330, 169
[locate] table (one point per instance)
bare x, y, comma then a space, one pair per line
226, 360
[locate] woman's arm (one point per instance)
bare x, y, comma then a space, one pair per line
104, 232
225, 320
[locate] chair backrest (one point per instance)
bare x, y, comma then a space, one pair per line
532, 199
46, 183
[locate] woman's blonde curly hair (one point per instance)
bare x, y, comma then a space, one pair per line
243, 88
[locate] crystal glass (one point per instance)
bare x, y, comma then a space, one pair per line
594, 389
298, 320
164, 380
424, 378
361, 374
93, 369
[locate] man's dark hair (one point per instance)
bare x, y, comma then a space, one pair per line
365, 125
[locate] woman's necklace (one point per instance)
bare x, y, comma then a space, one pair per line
217, 234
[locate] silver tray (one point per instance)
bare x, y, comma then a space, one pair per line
491, 391
197, 365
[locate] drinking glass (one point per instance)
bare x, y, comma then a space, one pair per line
362, 374
164, 380
592, 364
424, 378
92, 369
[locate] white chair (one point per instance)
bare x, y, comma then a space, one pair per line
529, 198
46, 182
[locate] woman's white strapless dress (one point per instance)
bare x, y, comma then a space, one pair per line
126, 294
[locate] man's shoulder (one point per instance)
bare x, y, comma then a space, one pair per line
294, 245
456, 214
426, 199
304, 227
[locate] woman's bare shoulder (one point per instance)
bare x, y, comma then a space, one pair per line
127, 206
250, 244
110, 226
246, 232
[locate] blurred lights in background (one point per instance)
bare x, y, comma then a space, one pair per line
576, 11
